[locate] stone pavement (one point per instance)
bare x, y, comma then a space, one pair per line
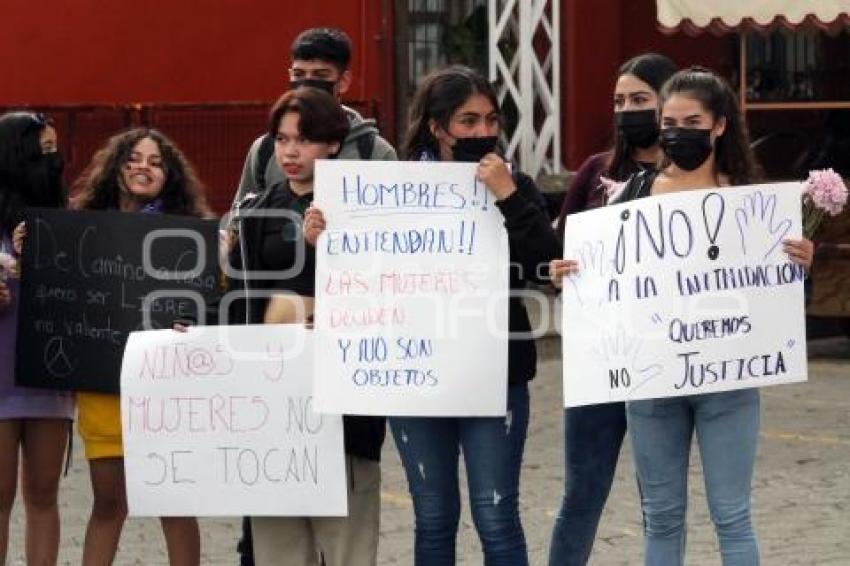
801, 493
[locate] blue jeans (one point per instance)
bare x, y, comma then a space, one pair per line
492, 452
726, 427
593, 436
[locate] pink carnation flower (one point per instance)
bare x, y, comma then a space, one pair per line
825, 190
823, 193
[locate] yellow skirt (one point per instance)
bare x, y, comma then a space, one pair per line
99, 423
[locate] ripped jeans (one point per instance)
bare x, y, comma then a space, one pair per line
492, 451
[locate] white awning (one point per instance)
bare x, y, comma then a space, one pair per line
721, 16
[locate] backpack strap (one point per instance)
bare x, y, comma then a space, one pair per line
366, 145
637, 186
264, 155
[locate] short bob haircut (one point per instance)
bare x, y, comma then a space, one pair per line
320, 116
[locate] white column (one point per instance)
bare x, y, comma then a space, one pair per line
529, 78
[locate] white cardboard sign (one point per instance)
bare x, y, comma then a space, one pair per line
411, 291
220, 421
683, 294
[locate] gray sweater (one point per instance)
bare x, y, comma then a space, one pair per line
381, 151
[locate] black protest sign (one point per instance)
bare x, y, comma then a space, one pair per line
89, 278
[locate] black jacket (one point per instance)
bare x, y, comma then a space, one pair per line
364, 436
533, 244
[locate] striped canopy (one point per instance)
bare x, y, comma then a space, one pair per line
723, 16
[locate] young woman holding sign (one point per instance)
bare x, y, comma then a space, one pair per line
307, 124
594, 434
34, 423
138, 171
455, 117
705, 145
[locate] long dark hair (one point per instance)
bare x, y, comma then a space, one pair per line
98, 187
732, 154
25, 178
440, 94
653, 69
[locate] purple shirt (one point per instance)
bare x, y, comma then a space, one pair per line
24, 402
586, 190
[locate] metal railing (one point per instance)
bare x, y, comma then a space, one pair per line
214, 136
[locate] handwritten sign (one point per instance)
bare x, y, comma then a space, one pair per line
90, 278
412, 291
682, 294
220, 421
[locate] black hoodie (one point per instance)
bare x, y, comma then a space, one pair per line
364, 436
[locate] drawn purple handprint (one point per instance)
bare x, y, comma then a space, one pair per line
590, 282
760, 230
622, 355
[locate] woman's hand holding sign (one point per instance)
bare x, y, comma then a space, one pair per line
561, 268
314, 225
801, 251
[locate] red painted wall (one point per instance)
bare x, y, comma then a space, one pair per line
76, 53
591, 51
156, 51
121, 51
596, 38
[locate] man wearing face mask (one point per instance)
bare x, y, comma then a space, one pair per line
320, 59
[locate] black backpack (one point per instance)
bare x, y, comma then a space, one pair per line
365, 145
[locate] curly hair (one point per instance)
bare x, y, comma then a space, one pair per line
98, 188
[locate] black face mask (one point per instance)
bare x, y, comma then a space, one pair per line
55, 167
473, 149
688, 148
638, 127
327, 86
47, 187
